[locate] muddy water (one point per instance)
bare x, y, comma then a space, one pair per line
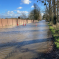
24, 42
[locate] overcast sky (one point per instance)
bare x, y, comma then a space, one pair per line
14, 8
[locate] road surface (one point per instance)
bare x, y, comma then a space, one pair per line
25, 42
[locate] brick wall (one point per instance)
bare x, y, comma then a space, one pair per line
0, 23
13, 22
9, 22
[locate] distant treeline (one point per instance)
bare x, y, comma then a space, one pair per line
11, 18
15, 18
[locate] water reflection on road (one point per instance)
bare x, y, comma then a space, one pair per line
24, 42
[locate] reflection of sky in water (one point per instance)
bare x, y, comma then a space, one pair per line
39, 28
29, 39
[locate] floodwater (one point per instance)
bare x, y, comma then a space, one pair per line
25, 42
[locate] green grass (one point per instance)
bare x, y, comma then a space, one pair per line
57, 45
57, 40
51, 27
49, 24
53, 31
55, 35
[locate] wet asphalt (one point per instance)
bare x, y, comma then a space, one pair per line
25, 42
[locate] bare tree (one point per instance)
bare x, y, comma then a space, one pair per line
35, 13
23, 16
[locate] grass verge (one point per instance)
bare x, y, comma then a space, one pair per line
55, 34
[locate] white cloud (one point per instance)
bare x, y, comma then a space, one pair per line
19, 8
9, 16
32, 6
10, 12
26, 1
19, 12
42, 14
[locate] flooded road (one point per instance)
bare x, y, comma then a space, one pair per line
24, 42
